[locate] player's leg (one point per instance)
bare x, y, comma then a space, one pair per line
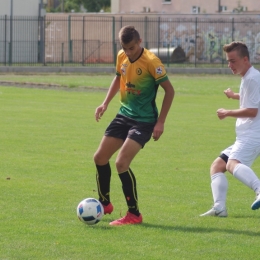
138, 135
219, 186
124, 158
128, 151
113, 139
241, 158
108, 146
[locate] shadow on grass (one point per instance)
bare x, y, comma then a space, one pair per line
184, 229
202, 229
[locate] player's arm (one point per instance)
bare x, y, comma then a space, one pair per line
237, 113
112, 91
166, 104
230, 94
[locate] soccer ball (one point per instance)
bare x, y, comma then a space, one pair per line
90, 211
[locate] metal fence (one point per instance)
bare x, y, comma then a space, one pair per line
91, 40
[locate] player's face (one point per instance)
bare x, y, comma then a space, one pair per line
132, 49
237, 64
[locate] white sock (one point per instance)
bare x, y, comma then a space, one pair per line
219, 186
247, 176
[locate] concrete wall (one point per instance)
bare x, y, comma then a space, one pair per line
64, 35
20, 7
180, 6
115, 6
19, 42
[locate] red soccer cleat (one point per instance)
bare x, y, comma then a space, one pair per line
108, 209
127, 220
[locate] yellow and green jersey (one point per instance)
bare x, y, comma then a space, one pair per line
139, 81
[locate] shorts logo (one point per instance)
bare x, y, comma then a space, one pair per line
138, 71
137, 132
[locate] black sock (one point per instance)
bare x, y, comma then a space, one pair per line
129, 188
103, 176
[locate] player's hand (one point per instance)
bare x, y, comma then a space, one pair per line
100, 111
157, 131
222, 113
229, 93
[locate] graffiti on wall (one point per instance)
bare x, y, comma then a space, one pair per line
204, 43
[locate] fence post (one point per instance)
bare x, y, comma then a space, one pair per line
145, 31
62, 54
5, 41
41, 22
168, 55
233, 29
43, 45
121, 22
83, 41
113, 40
69, 39
195, 43
158, 39
9, 54
11, 41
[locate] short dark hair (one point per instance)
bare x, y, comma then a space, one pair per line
127, 34
239, 47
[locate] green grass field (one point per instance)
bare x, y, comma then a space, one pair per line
47, 141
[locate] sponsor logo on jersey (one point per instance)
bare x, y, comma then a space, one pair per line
138, 71
159, 70
130, 88
123, 70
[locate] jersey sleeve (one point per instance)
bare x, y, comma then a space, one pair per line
252, 96
157, 70
118, 62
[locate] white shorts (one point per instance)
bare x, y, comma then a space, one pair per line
245, 151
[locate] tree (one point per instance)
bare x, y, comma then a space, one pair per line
70, 5
92, 5
106, 4
89, 5
96, 5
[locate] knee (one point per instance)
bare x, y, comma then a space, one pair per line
228, 167
231, 165
121, 166
219, 165
98, 159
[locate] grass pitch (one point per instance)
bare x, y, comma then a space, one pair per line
47, 141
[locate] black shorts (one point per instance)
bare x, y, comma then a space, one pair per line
124, 127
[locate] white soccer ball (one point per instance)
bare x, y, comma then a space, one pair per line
90, 211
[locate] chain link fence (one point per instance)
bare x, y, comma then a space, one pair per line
91, 40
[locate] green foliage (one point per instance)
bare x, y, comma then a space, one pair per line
48, 138
89, 5
69, 5
106, 5
92, 6
72, 5
95, 5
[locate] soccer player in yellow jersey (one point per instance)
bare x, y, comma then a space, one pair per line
138, 76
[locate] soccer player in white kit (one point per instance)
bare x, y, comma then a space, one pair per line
238, 158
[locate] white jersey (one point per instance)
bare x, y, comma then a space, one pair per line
249, 98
